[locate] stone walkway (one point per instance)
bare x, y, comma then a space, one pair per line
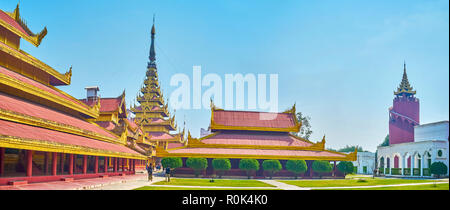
283, 186
80, 184
376, 186
141, 182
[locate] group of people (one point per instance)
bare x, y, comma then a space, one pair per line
150, 170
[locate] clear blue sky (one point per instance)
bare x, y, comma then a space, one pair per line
340, 61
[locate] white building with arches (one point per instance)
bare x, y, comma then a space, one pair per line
365, 163
431, 144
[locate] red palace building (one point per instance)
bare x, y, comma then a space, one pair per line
45, 133
262, 136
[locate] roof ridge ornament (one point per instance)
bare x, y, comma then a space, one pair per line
152, 57
405, 86
35, 39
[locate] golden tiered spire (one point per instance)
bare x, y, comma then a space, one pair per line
405, 87
153, 112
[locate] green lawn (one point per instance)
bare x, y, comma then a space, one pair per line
351, 182
444, 186
216, 183
186, 188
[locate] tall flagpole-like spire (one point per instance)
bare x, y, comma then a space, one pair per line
152, 56
405, 87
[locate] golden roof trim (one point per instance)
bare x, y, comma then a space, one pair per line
27, 58
52, 125
31, 37
17, 84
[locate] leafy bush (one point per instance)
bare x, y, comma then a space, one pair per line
221, 165
438, 168
172, 162
322, 167
197, 164
345, 167
296, 166
249, 166
271, 166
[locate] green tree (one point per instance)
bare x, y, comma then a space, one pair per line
296, 166
271, 166
249, 166
351, 149
197, 164
221, 165
345, 167
322, 167
438, 168
385, 142
172, 162
305, 131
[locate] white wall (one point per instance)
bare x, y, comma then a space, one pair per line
432, 131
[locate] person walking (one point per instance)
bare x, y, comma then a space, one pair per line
168, 174
150, 172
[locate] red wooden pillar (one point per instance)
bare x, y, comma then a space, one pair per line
106, 165
334, 169
2, 157
71, 164
123, 164
115, 164
96, 165
311, 172
54, 163
46, 162
29, 163
84, 164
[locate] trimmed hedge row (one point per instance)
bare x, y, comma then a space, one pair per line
250, 166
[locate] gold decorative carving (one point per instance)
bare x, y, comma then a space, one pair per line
31, 37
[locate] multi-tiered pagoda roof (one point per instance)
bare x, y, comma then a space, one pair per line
152, 113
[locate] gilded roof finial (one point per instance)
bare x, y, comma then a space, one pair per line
153, 28
152, 57
405, 87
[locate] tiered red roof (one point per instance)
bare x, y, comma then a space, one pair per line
15, 104
255, 138
232, 138
254, 119
35, 133
160, 136
37, 85
5, 17
255, 152
106, 104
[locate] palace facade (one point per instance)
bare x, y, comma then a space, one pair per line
262, 136
48, 135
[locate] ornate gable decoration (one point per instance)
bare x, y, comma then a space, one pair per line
33, 38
